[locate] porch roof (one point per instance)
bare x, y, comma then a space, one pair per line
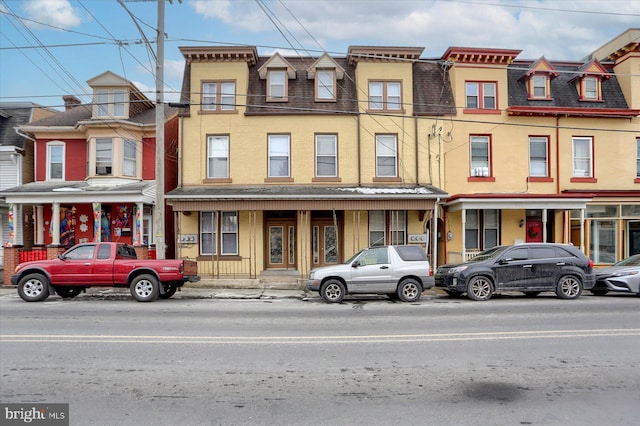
304, 197
518, 201
35, 193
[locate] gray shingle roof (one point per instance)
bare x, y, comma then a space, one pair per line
13, 115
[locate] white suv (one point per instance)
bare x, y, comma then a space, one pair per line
398, 271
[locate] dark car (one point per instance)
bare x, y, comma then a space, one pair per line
623, 276
531, 268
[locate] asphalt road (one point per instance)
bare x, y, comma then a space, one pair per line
369, 361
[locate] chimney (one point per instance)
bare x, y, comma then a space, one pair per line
70, 101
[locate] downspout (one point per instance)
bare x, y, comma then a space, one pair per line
24, 135
434, 237
359, 151
415, 132
557, 155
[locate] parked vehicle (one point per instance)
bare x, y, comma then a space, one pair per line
531, 268
623, 276
398, 271
102, 264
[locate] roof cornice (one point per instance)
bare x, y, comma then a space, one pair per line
472, 55
382, 54
248, 54
572, 112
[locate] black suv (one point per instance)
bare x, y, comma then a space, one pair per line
531, 268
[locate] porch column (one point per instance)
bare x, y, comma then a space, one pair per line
55, 223
434, 237
97, 220
39, 225
464, 240
137, 241
544, 225
582, 230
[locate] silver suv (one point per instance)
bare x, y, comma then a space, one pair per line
398, 271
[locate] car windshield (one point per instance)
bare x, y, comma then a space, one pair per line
487, 254
629, 261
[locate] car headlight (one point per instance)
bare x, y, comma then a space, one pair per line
625, 273
457, 269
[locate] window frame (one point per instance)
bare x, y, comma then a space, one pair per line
481, 97
210, 157
107, 104
385, 99
474, 173
271, 85
126, 159
318, 155
213, 101
270, 157
590, 94
320, 86
379, 142
532, 159
539, 78
480, 228
637, 179
51, 145
218, 233
390, 223
577, 174
110, 162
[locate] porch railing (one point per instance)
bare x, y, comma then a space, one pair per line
213, 268
458, 257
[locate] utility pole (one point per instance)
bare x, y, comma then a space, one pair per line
158, 215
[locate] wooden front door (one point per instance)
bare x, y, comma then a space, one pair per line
281, 244
324, 243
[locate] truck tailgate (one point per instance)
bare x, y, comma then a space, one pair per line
190, 268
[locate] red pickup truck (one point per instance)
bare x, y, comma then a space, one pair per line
102, 264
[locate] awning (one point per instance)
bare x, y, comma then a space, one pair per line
518, 201
304, 197
78, 192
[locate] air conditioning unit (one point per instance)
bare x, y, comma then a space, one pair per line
480, 171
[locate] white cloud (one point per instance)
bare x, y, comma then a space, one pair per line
58, 13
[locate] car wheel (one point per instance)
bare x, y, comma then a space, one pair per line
68, 292
33, 288
169, 290
480, 288
145, 288
531, 293
599, 292
409, 290
569, 287
332, 291
453, 293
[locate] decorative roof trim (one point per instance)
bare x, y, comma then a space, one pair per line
325, 62
592, 68
471, 55
572, 112
248, 54
541, 66
382, 54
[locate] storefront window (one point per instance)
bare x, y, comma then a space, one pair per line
602, 211
631, 211
602, 246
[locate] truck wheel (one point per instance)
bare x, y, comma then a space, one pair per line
169, 290
145, 288
68, 292
409, 290
33, 288
332, 291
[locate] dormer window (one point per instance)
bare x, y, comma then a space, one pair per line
539, 83
589, 81
326, 72
590, 88
325, 85
538, 79
110, 103
277, 72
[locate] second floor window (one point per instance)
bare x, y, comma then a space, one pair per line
481, 95
104, 156
279, 156
218, 157
129, 158
386, 156
480, 156
326, 156
538, 157
385, 95
55, 161
638, 158
219, 96
582, 157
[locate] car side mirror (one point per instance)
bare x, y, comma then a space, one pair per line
504, 261
355, 264
62, 257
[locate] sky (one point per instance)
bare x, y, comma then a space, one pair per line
50, 48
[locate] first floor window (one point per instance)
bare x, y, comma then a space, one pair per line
387, 226
219, 233
278, 156
481, 229
582, 151
538, 162
326, 156
386, 160
55, 161
603, 244
638, 157
218, 157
